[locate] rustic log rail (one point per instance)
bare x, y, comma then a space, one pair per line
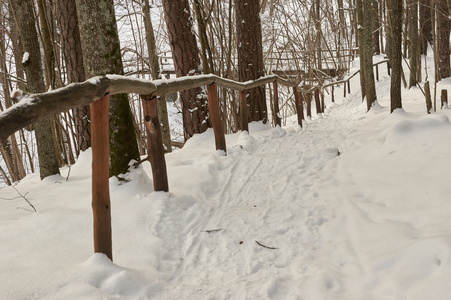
34, 107
96, 91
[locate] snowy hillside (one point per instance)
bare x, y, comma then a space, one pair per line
354, 206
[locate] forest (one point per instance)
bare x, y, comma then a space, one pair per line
46, 45
225, 149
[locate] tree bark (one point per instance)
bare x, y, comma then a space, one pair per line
73, 57
443, 34
25, 20
415, 61
359, 13
102, 55
425, 25
155, 72
395, 14
186, 60
250, 55
49, 55
376, 27
366, 47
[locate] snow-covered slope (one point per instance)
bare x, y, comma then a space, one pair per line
353, 206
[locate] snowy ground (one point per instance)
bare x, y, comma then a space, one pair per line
356, 206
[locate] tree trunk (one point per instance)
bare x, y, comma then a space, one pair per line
366, 49
395, 14
250, 55
155, 72
102, 55
23, 13
376, 27
207, 62
319, 58
359, 13
73, 57
186, 60
49, 55
443, 34
425, 25
10, 151
415, 61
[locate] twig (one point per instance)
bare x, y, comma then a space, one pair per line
272, 248
212, 230
23, 196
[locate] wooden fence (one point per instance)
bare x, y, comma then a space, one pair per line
96, 91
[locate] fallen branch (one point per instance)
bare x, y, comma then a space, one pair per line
212, 230
20, 196
260, 244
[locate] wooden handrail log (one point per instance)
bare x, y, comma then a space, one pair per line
34, 107
350, 77
167, 86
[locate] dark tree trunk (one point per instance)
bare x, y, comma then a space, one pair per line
73, 56
395, 14
17, 49
187, 62
102, 55
366, 47
415, 62
359, 14
25, 20
425, 25
376, 27
49, 54
443, 34
250, 55
155, 72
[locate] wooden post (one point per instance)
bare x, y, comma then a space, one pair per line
333, 96
298, 105
344, 90
215, 117
349, 86
323, 105
377, 72
155, 148
309, 104
244, 119
427, 94
444, 98
317, 102
101, 207
276, 104
301, 99
388, 68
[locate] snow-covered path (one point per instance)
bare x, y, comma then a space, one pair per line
278, 189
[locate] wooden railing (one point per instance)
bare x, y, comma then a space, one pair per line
96, 91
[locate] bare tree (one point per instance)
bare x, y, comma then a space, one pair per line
366, 46
415, 55
25, 20
443, 34
155, 72
250, 55
187, 62
395, 14
102, 55
425, 25
73, 57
